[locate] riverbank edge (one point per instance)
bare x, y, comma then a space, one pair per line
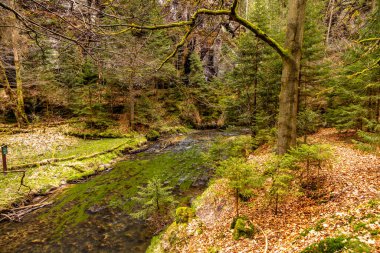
108, 158
205, 214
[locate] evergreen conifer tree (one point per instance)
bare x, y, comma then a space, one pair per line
154, 198
355, 102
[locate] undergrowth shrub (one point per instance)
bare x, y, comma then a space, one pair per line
308, 122
298, 169
154, 199
152, 135
264, 136
338, 244
308, 159
281, 181
222, 149
367, 142
242, 178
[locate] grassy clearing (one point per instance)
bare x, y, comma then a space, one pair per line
78, 147
43, 178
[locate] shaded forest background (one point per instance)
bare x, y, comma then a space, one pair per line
76, 60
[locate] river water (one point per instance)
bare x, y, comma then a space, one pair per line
93, 216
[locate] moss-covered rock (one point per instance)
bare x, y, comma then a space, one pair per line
242, 228
152, 135
337, 244
93, 135
184, 214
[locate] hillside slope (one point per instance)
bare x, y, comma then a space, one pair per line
347, 206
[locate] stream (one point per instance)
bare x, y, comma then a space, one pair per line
93, 216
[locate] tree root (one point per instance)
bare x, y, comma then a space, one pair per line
264, 234
23, 184
22, 178
44, 162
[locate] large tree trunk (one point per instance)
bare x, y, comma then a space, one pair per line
16, 98
131, 106
7, 87
287, 122
255, 83
331, 5
22, 119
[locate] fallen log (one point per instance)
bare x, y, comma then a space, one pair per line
17, 213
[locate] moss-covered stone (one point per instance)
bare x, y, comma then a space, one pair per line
242, 228
184, 214
337, 244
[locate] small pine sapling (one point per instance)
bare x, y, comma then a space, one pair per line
307, 123
241, 177
222, 148
368, 142
154, 199
282, 178
308, 158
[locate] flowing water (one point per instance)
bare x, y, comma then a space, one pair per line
93, 216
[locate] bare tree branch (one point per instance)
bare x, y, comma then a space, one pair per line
224, 12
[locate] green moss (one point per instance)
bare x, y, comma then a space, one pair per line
337, 244
242, 228
319, 225
213, 250
359, 226
374, 203
184, 214
90, 135
39, 178
152, 135
24, 155
155, 246
116, 188
306, 231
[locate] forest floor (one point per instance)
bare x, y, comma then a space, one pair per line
348, 206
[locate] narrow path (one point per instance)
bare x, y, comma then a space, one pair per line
355, 175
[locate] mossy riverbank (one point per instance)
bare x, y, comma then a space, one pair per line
73, 160
95, 214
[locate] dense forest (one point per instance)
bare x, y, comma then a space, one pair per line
190, 126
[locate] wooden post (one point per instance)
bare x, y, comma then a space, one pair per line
4, 152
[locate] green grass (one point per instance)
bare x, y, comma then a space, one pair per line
42, 178
80, 148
